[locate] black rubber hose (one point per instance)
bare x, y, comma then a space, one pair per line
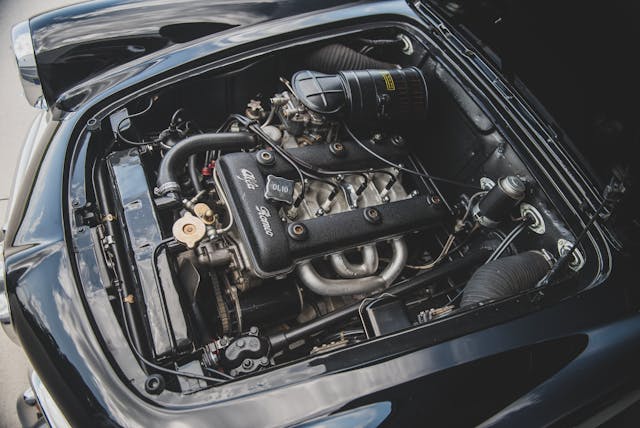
505, 277
382, 42
194, 173
334, 58
173, 162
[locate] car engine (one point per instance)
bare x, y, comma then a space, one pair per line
309, 220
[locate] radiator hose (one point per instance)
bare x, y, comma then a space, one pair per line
173, 162
505, 277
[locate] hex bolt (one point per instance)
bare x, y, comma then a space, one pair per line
372, 215
298, 231
337, 149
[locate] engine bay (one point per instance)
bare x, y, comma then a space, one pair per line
309, 201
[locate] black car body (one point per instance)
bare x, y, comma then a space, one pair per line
87, 231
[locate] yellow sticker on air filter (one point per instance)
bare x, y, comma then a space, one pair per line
388, 81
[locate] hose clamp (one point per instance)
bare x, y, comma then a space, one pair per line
170, 186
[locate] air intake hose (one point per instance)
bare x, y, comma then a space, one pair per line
505, 277
173, 162
336, 57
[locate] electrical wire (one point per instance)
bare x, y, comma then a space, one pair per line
456, 297
226, 204
176, 114
402, 168
363, 186
470, 204
154, 259
218, 372
369, 301
497, 252
445, 250
303, 168
128, 117
341, 335
157, 367
258, 131
465, 240
272, 114
380, 171
507, 241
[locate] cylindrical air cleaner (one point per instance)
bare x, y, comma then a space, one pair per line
364, 97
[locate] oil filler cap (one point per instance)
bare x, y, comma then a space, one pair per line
279, 189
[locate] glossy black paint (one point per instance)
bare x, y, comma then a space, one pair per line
57, 294
83, 40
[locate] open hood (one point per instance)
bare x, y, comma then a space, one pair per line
61, 48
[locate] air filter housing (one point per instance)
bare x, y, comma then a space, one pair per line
364, 97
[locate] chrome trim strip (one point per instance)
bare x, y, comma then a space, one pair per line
50, 409
22, 46
5, 310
